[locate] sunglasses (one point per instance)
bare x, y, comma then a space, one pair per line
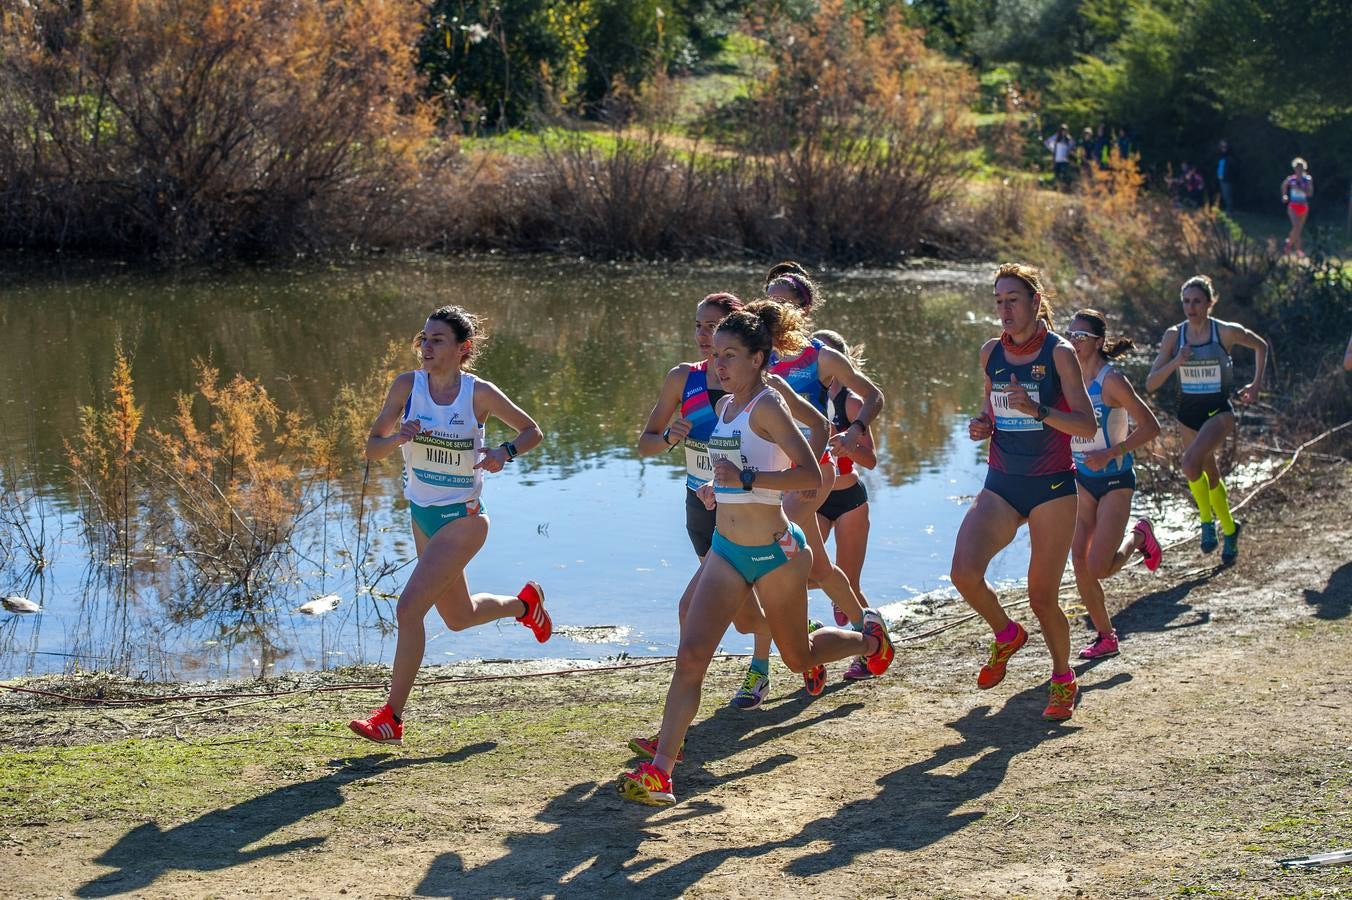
1078, 336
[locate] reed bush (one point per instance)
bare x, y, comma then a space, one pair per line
197, 127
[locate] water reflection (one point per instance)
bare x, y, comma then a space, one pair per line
582, 347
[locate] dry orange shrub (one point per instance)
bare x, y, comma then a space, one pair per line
201, 126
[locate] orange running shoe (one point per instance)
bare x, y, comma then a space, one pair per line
648, 747
874, 627
647, 784
535, 617
814, 680
993, 672
1062, 703
379, 726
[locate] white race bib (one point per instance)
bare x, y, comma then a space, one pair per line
1080, 446
699, 468
1007, 418
1200, 377
442, 462
721, 447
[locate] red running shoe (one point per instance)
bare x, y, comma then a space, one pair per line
647, 784
1061, 703
874, 627
1150, 548
379, 726
993, 672
535, 617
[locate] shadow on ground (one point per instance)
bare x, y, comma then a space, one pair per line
1335, 600
595, 838
590, 837
217, 839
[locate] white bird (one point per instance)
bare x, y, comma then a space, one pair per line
319, 605
16, 604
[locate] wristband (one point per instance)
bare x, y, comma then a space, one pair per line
1042, 413
510, 448
666, 439
748, 478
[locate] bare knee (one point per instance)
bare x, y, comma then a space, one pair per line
1044, 603
967, 579
691, 665
1192, 465
1101, 565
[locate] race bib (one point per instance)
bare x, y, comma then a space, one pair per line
443, 462
1200, 377
699, 468
1080, 446
726, 447
1006, 417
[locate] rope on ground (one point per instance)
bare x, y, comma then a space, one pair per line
244, 698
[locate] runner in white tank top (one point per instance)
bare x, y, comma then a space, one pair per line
754, 543
436, 416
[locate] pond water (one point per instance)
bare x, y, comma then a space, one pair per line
582, 347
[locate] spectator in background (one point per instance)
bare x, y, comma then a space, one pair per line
1088, 149
1103, 145
1225, 177
1126, 142
1061, 145
1297, 192
1194, 186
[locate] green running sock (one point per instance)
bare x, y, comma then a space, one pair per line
1220, 503
1201, 492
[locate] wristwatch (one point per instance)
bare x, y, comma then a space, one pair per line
1042, 413
748, 478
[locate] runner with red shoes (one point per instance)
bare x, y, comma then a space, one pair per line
683, 417
1106, 479
846, 510
435, 415
1035, 402
758, 452
811, 371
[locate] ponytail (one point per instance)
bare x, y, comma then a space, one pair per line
767, 326
1099, 326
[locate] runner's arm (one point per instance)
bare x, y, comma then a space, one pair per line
1167, 361
863, 453
1118, 391
1079, 420
387, 433
802, 411
489, 400
1245, 338
833, 364
651, 440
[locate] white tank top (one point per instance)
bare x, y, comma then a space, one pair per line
439, 462
737, 441
1112, 430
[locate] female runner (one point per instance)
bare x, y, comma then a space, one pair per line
436, 416
758, 452
1297, 192
846, 509
1199, 348
689, 393
1104, 474
1035, 403
810, 373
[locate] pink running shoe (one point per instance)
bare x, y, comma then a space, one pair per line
1150, 548
535, 617
858, 670
1104, 646
841, 619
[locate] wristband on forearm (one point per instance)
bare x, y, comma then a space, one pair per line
510, 447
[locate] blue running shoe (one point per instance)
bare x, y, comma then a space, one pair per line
1231, 548
1209, 542
752, 692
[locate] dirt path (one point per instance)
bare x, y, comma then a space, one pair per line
1218, 742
